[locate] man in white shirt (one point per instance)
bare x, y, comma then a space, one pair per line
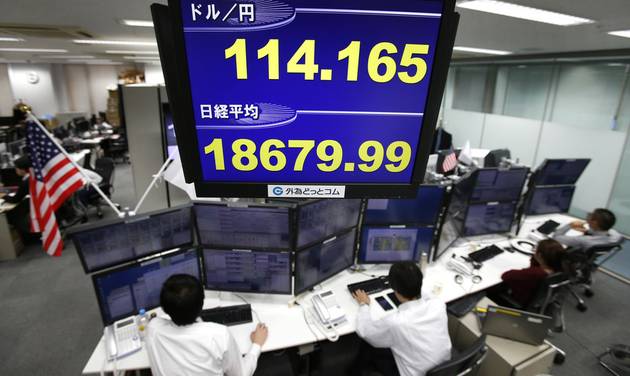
597, 230
186, 346
415, 337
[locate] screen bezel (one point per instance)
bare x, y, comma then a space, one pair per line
435, 220
123, 221
534, 189
132, 265
276, 205
365, 228
514, 203
300, 207
499, 170
297, 291
202, 252
177, 78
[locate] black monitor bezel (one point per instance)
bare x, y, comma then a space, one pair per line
435, 220
300, 207
515, 205
171, 43
297, 291
135, 264
499, 170
532, 191
415, 227
123, 221
276, 205
202, 250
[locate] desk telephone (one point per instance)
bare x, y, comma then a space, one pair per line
459, 265
122, 338
328, 310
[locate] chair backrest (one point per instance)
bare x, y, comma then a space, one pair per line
105, 168
553, 289
465, 363
601, 250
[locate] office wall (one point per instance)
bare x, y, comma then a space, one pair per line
153, 74
76, 76
41, 95
101, 77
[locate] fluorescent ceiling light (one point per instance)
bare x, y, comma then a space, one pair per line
620, 33
67, 57
91, 61
120, 52
45, 50
11, 39
141, 57
139, 23
118, 42
481, 50
523, 12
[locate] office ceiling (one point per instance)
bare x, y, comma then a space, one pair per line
100, 19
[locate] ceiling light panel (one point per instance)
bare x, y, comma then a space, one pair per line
44, 50
523, 12
115, 42
485, 51
11, 39
137, 23
121, 52
620, 33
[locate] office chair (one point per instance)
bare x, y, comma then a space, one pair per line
105, 168
467, 362
583, 263
116, 149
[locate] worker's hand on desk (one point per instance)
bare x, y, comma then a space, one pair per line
259, 335
361, 297
578, 226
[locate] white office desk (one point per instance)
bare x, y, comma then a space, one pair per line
286, 321
79, 155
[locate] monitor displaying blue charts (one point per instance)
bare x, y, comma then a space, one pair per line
499, 185
120, 241
321, 219
247, 271
560, 171
547, 200
489, 218
317, 263
424, 209
252, 227
123, 292
389, 245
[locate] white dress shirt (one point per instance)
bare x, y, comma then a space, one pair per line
417, 334
202, 348
589, 239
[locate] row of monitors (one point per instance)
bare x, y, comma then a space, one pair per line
266, 227
123, 291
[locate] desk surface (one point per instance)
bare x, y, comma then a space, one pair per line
287, 322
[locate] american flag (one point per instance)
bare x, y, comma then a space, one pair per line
450, 161
53, 179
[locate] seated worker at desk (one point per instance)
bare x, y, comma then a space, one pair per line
410, 341
597, 230
18, 216
184, 345
521, 284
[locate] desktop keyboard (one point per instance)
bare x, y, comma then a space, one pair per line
371, 286
485, 254
231, 315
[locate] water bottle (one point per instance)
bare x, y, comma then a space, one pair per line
143, 321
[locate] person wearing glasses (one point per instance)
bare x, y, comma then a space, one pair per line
597, 230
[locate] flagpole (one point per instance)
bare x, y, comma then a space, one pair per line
155, 179
65, 153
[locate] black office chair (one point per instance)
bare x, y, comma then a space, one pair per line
105, 168
582, 264
467, 362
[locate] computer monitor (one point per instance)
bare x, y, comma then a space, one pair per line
489, 218
247, 271
560, 171
492, 184
386, 245
319, 220
319, 262
547, 200
123, 291
448, 235
16, 148
495, 157
82, 126
112, 243
246, 227
423, 210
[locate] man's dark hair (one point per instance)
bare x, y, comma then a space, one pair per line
552, 253
406, 279
23, 163
182, 298
605, 218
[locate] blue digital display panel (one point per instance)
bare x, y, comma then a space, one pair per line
389, 245
309, 91
489, 218
547, 200
424, 209
499, 185
122, 292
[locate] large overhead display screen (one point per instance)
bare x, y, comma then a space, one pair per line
309, 92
